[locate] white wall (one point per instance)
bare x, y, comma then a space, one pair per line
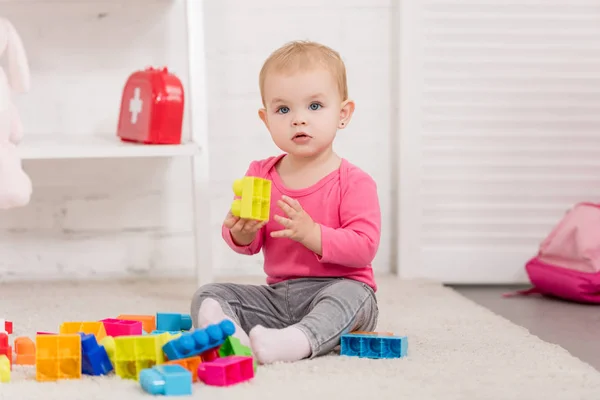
92, 218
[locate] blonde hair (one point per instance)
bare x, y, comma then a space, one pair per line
304, 54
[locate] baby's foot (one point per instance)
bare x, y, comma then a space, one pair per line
211, 313
272, 345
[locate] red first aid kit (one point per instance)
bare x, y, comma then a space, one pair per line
151, 108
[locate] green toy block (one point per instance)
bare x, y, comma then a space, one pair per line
233, 347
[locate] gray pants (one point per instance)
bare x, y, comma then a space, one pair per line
323, 308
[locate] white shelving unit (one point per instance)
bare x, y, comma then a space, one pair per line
45, 147
88, 147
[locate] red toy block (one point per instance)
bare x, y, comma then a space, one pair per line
226, 371
210, 355
5, 348
6, 326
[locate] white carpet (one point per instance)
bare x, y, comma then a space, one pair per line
457, 350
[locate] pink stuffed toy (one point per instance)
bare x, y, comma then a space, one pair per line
15, 185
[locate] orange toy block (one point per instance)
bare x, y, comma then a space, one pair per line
25, 351
190, 363
148, 321
58, 357
95, 328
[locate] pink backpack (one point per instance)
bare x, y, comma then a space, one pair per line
568, 261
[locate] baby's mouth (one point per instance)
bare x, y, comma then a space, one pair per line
301, 135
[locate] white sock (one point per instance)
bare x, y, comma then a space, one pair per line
210, 312
272, 345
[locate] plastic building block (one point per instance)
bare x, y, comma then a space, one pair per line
173, 322
6, 326
95, 328
4, 369
148, 321
233, 347
254, 198
57, 357
226, 371
210, 355
372, 333
157, 332
121, 327
109, 345
198, 341
373, 346
167, 380
136, 353
190, 363
94, 359
5, 348
45, 333
25, 351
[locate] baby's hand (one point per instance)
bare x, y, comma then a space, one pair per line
243, 231
299, 226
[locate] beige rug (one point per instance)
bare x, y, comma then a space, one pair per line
457, 350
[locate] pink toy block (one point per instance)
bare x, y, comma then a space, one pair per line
226, 371
122, 327
45, 333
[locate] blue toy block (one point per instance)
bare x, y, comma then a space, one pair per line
198, 341
94, 359
157, 332
173, 322
373, 346
167, 380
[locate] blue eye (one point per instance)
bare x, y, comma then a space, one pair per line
283, 110
315, 106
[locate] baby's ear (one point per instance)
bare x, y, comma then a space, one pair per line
262, 114
346, 112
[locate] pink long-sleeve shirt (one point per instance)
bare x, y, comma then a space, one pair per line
346, 206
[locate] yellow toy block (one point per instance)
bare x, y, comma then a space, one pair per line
109, 345
255, 198
132, 354
88, 327
4, 369
58, 357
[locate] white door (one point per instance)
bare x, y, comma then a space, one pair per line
499, 131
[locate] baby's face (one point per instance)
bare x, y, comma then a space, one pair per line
302, 110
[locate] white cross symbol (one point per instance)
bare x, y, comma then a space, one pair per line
135, 105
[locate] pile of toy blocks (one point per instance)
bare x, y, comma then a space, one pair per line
162, 352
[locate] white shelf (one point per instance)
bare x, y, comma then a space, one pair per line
86, 146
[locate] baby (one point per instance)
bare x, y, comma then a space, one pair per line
325, 221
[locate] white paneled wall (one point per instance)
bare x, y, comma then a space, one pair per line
500, 132
127, 217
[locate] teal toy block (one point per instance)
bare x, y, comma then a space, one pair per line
166, 380
173, 322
